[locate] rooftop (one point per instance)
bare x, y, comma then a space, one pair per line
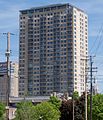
34, 9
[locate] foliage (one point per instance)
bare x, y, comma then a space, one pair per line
2, 110
76, 95
55, 102
24, 111
79, 108
67, 109
45, 111
42, 111
97, 107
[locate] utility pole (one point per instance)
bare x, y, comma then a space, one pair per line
91, 89
7, 54
91, 85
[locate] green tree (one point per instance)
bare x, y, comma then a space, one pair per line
2, 111
24, 111
97, 107
76, 95
55, 102
45, 111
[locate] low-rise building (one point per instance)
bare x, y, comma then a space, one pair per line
3, 81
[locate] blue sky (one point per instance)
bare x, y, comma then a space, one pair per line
9, 21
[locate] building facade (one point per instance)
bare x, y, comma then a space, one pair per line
3, 81
13, 74
53, 43
14, 79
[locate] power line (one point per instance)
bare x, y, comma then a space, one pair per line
99, 44
94, 44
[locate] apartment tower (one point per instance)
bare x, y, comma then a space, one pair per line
53, 45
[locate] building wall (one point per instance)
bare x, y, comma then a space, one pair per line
52, 43
80, 49
14, 80
3, 81
13, 72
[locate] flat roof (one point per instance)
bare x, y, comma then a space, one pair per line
50, 6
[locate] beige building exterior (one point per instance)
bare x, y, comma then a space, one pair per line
53, 44
80, 48
14, 80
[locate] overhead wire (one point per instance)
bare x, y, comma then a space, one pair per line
95, 47
100, 43
97, 37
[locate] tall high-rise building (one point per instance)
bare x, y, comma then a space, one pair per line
53, 43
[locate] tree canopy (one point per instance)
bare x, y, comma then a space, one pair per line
2, 110
24, 111
97, 107
55, 102
66, 109
76, 95
43, 111
54, 109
